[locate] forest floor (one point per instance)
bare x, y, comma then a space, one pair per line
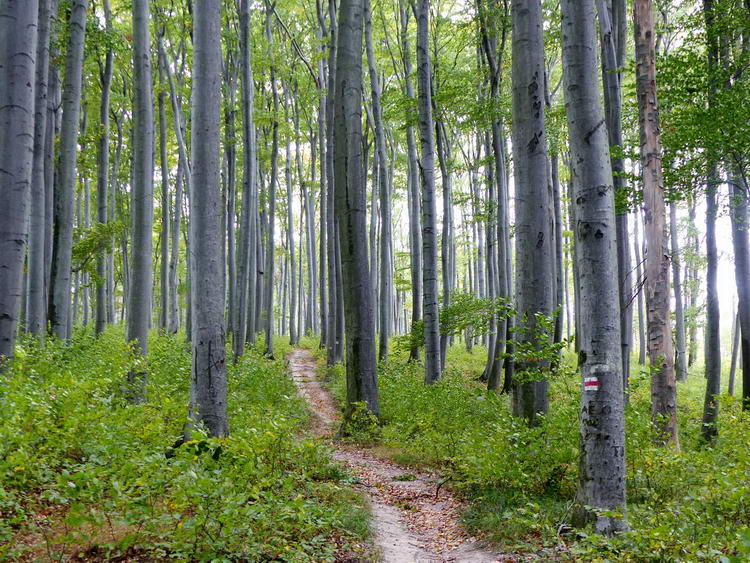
414, 518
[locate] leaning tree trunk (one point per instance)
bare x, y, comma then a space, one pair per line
36, 308
361, 365
601, 481
18, 50
142, 208
209, 382
59, 308
534, 212
661, 354
433, 368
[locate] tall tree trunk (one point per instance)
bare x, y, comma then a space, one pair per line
142, 209
738, 209
661, 354
322, 139
18, 54
385, 303
165, 202
247, 267
209, 383
534, 213
414, 199
59, 312
448, 244
174, 253
733, 362
601, 481
639, 277
361, 365
612, 29
680, 364
433, 368
293, 335
36, 316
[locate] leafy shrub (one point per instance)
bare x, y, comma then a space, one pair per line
84, 472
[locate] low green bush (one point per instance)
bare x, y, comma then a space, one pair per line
83, 472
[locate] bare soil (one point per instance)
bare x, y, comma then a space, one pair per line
413, 518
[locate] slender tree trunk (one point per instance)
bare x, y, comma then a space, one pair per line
322, 139
601, 481
735, 354
361, 365
661, 354
385, 303
142, 209
59, 312
415, 231
433, 368
446, 248
639, 289
165, 202
247, 268
209, 383
174, 253
612, 29
741, 243
36, 316
293, 335
680, 366
534, 212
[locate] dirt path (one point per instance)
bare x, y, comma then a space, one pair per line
411, 524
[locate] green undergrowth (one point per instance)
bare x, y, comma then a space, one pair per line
84, 474
691, 504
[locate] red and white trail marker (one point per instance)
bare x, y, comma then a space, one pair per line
590, 383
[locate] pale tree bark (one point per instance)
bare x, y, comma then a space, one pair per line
209, 382
601, 481
293, 335
534, 212
102, 175
639, 277
738, 209
361, 365
385, 302
733, 361
18, 54
322, 139
231, 70
59, 311
661, 354
36, 315
164, 297
612, 30
142, 202
680, 364
414, 200
273, 181
433, 368
246, 270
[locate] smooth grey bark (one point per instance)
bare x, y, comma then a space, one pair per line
385, 302
59, 312
322, 140
612, 34
273, 181
174, 252
361, 364
102, 175
36, 305
433, 367
142, 202
413, 196
308, 206
246, 265
18, 54
293, 334
738, 209
680, 364
209, 383
164, 296
534, 212
735, 354
639, 289
601, 482
447, 247
54, 96
661, 354
231, 70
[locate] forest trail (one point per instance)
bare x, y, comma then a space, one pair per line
410, 522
